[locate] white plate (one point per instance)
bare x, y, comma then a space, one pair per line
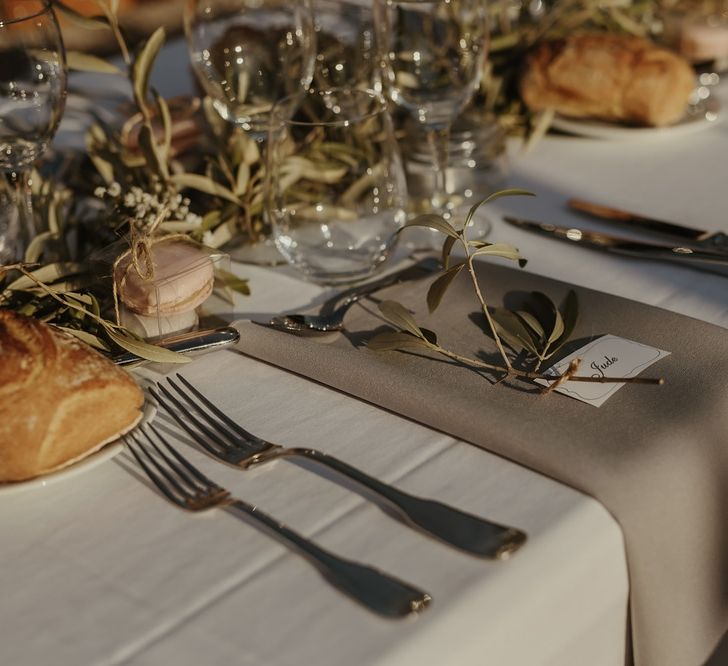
81, 467
699, 117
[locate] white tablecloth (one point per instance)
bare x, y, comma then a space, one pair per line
99, 569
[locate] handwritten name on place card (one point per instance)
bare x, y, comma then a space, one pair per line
607, 356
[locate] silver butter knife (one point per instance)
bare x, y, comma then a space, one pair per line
684, 256
700, 239
186, 343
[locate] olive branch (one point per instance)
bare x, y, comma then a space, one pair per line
538, 331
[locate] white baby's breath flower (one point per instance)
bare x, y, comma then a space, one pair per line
100, 192
114, 189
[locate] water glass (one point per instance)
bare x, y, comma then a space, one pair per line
336, 188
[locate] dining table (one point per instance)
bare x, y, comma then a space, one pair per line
97, 568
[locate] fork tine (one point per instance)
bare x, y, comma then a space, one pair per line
132, 443
205, 444
196, 473
183, 482
235, 427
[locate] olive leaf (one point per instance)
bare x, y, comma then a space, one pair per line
431, 221
85, 62
46, 274
512, 192
151, 153
145, 350
438, 288
166, 125
398, 315
395, 340
512, 330
204, 184
90, 339
87, 22
142, 67
499, 250
233, 282
447, 247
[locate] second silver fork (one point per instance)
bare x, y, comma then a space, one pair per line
229, 442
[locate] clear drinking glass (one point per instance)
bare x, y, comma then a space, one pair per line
336, 190
432, 54
32, 99
248, 54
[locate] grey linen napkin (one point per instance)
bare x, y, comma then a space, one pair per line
655, 456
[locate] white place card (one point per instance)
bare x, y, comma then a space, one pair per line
607, 356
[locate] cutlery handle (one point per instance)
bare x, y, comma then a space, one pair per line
704, 261
635, 220
465, 531
374, 589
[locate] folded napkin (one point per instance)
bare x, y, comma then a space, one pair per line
655, 456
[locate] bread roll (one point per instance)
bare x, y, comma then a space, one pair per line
610, 77
59, 399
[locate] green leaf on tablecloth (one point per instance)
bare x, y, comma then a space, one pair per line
569, 315
532, 323
438, 288
395, 340
397, 314
513, 331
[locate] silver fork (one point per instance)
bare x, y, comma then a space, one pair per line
227, 441
185, 486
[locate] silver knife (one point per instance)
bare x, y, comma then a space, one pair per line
700, 239
684, 256
185, 343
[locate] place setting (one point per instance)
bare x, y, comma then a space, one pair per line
322, 204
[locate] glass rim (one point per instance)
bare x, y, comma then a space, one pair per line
46, 7
370, 93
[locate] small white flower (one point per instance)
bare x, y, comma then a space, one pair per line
114, 189
100, 192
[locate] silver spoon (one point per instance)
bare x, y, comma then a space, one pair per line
332, 321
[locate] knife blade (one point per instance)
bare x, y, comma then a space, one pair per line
195, 341
679, 255
706, 241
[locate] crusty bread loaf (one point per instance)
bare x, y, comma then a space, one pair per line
610, 77
59, 399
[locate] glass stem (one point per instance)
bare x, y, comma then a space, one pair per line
26, 231
439, 140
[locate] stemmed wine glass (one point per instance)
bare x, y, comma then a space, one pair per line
432, 54
32, 99
248, 54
